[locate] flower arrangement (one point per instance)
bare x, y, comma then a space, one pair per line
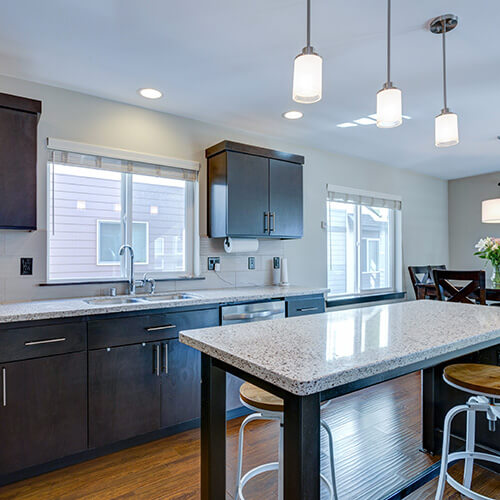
489, 249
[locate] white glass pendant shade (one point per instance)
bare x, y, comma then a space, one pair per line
307, 78
491, 211
389, 108
446, 129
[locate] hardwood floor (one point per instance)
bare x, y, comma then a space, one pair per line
377, 438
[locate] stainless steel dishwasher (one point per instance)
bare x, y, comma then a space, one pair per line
246, 313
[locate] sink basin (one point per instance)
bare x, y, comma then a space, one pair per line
169, 296
160, 297
114, 300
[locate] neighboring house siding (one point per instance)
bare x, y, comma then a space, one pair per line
79, 202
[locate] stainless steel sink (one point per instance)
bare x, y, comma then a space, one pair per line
100, 301
160, 297
169, 296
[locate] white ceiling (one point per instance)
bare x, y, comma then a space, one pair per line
230, 62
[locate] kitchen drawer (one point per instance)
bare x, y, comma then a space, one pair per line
304, 306
38, 341
151, 327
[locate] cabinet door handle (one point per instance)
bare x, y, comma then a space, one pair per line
4, 386
305, 309
47, 341
272, 218
158, 328
156, 368
165, 359
266, 222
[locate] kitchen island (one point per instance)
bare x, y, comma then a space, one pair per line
307, 360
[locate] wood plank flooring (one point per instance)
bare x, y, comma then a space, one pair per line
377, 438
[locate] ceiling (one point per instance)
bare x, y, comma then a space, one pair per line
230, 62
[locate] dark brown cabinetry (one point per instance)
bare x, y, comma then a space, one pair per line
124, 392
254, 192
43, 410
18, 148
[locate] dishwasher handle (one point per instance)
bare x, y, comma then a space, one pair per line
250, 315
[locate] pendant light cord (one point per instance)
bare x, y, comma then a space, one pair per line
388, 42
445, 97
308, 23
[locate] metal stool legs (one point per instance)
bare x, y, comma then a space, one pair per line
474, 404
242, 481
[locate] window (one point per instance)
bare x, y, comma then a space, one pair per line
363, 242
97, 204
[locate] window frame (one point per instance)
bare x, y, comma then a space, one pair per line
395, 226
191, 225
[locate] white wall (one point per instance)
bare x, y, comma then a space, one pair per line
465, 226
74, 116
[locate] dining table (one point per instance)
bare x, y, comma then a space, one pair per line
428, 290
307, 360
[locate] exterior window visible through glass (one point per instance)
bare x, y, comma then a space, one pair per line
361, 249
93, 212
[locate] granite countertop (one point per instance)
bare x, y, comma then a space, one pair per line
308, 354
64, 308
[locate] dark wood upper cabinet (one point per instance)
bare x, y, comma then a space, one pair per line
18, 147
254, 192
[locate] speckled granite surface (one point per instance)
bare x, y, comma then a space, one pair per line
64, 308
312, 353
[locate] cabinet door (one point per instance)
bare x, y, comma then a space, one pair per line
124, 392
180, 385
285, 199
247, 194
43, 410
17, 169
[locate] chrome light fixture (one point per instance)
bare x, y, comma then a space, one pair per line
490, 211
389, 100
307, 70
446, 123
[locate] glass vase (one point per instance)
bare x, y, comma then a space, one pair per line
495, 276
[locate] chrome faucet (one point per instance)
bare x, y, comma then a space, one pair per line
131, 281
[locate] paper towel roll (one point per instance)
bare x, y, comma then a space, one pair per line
284, 272
241, 245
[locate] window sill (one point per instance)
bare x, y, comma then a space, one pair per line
332, 302
118, 280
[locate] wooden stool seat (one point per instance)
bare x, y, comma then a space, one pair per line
475, 377
260, 399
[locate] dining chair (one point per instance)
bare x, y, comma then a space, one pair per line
419, 275
472, 292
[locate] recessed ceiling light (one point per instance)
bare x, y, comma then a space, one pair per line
365, 121
346, 124
150, 93
293, 115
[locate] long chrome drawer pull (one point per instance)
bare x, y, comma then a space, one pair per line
305, 309
157, 328
4, 386
48, 341
166, 359
156, 367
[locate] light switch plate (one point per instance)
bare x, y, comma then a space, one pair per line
212, 261
251, 262
26, 266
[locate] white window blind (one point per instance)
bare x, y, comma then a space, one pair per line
366, 198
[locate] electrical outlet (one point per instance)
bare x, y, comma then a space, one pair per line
251, 262
276, 262
212, 261
26, 266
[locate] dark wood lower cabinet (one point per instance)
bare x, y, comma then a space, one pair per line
181, 384
43, 414
124, 392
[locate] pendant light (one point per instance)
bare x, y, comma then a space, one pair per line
490, 211
307, 70
389, 101
446, 123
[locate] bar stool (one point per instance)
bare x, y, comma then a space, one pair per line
484, 382
267, 406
